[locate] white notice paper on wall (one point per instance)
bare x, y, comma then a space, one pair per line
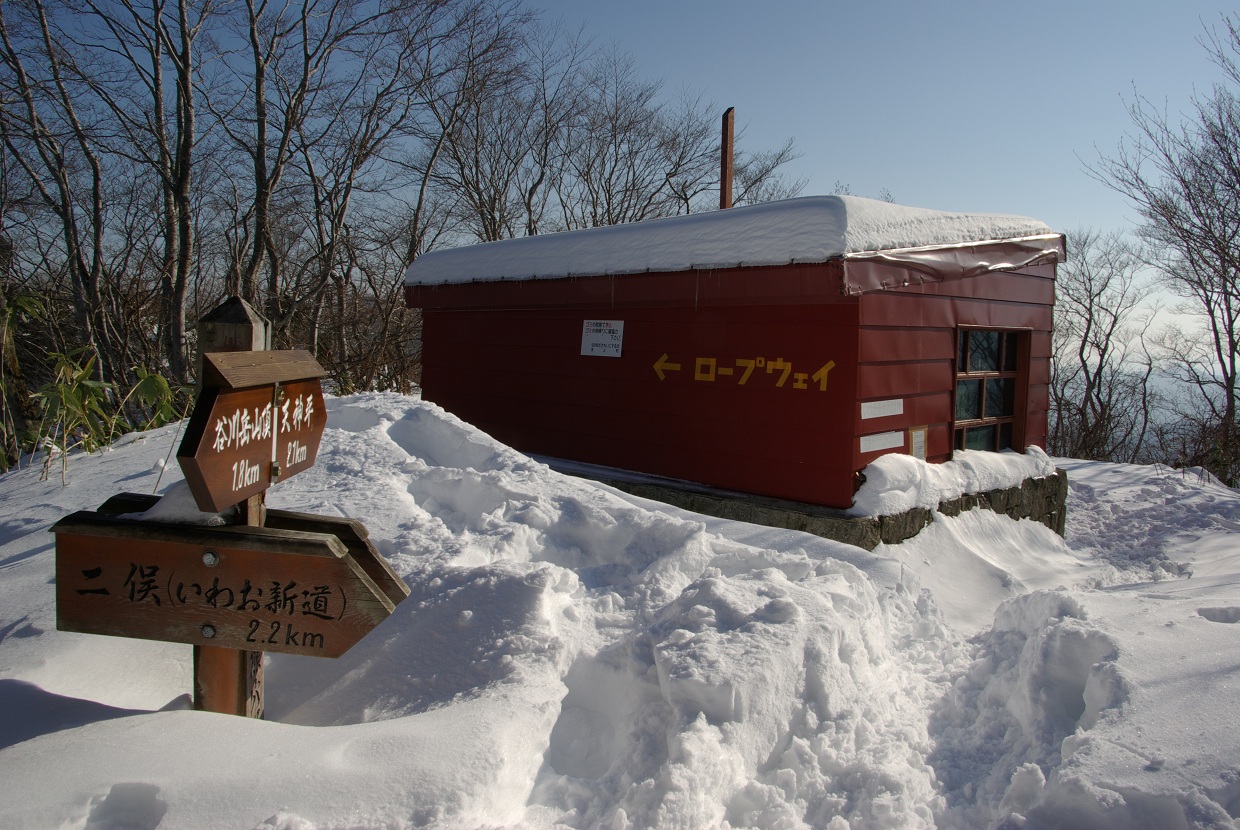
602, 338
917, 442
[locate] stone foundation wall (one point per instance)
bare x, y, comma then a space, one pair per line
1040, 499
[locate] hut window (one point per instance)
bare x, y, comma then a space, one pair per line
987, 375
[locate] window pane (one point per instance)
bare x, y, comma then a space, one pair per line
960, 439
968, 400
962, 364
999, 398
983, 351
1005, 436
1009, 352
980, 438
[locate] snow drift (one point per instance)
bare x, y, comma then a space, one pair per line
573, 656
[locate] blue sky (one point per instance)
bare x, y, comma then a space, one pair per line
973, 106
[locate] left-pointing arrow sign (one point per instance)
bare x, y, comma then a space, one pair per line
227, 451
236, 437
662, 365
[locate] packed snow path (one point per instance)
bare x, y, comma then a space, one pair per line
573, 656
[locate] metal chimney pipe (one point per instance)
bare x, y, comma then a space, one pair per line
725, 160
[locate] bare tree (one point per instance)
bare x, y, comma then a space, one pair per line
148, 89
1102, 399
158, 155
373, 143
337, 156
1184, 178
107, 87
50, 137
632, 157
505, 146
557, 60
273, 91
758, 175
558, 122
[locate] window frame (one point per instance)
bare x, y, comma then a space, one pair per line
1010, 340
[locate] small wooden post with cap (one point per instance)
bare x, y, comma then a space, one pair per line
230, 680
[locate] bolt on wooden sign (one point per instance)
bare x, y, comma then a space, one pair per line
258, 420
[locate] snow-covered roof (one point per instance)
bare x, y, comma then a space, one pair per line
805, 230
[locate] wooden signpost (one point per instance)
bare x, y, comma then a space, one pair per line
273, 581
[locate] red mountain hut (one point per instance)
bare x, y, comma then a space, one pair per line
773, 350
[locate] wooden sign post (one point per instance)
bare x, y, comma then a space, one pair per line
254, 408
231, 680
273, 581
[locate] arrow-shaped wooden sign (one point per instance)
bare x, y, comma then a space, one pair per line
241, 441
237, 587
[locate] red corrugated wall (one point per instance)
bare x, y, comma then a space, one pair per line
743, 379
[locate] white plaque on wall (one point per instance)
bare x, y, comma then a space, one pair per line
881, 409
882, 441
602, 338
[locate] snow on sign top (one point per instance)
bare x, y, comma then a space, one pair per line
805, 230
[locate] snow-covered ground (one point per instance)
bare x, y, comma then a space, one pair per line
571, 655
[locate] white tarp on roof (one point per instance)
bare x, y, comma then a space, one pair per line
806, 230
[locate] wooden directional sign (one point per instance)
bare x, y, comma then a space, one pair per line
240, 441
267, 589
228, 451
301, 417
351, 533
356, 540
